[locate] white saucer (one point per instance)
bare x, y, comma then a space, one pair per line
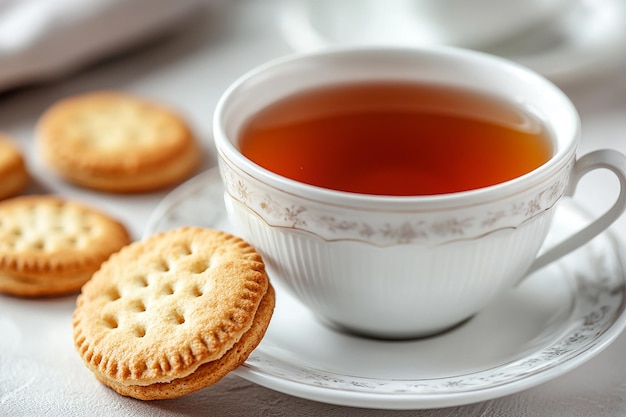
558, 318
562, 40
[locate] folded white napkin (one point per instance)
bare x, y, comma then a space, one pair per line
45, 39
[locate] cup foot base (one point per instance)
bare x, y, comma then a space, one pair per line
390, 335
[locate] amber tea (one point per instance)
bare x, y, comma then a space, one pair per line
396, 138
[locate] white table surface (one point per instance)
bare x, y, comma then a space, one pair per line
189, 70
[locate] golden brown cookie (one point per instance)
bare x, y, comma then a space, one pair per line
13, 173
174, 313
112, 141
51, 246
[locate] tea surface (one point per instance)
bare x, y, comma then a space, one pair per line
389, 138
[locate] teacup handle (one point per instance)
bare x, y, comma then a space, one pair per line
605, 158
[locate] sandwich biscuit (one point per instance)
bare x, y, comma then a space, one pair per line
51, 246
115, 142
173, 313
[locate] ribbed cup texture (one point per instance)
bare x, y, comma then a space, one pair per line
396, 291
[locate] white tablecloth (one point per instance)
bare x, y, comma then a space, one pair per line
189, 70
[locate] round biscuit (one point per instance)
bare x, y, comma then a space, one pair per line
161, 308
116, 142
13, 172
51, 246
209, 373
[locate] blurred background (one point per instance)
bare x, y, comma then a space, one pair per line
562, 39
185, 53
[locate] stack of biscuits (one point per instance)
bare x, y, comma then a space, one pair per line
107, 141
154, 319
48, 245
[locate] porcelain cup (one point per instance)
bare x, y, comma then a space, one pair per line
404, 267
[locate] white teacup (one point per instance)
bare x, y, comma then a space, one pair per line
401, 267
